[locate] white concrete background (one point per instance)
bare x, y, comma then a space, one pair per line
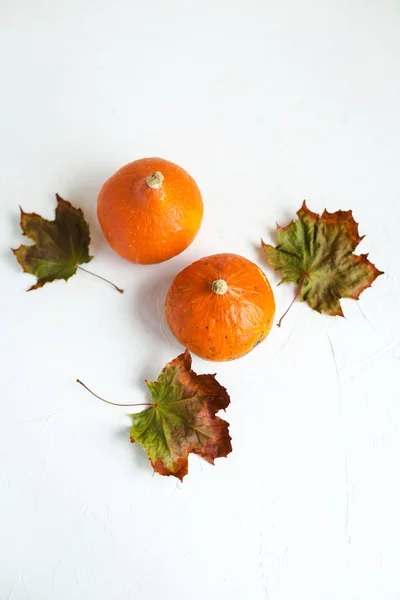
265, 103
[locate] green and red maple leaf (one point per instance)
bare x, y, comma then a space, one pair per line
317, 254
182, 419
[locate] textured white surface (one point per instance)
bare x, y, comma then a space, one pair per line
265, 103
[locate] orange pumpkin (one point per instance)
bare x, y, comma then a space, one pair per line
150, 210
220, 307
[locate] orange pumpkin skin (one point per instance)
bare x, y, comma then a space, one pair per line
149, 223
225, 325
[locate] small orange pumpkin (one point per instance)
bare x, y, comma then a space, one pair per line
150, 210
220, 307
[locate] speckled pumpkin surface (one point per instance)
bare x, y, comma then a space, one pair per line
220, 307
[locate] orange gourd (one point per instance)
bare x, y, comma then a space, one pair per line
150, 210
220, 307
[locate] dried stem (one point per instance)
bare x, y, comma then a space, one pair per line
102, 278
107, 401
155, 180
219, 286
297, 294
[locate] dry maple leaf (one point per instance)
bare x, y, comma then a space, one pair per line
316, 253
60, 245
182, 419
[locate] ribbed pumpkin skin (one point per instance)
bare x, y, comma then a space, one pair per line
146, 225
220, 327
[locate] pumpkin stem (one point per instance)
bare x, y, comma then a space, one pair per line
219, 286
155, 180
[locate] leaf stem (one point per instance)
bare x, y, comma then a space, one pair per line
297, 294
107, 401
121, 291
